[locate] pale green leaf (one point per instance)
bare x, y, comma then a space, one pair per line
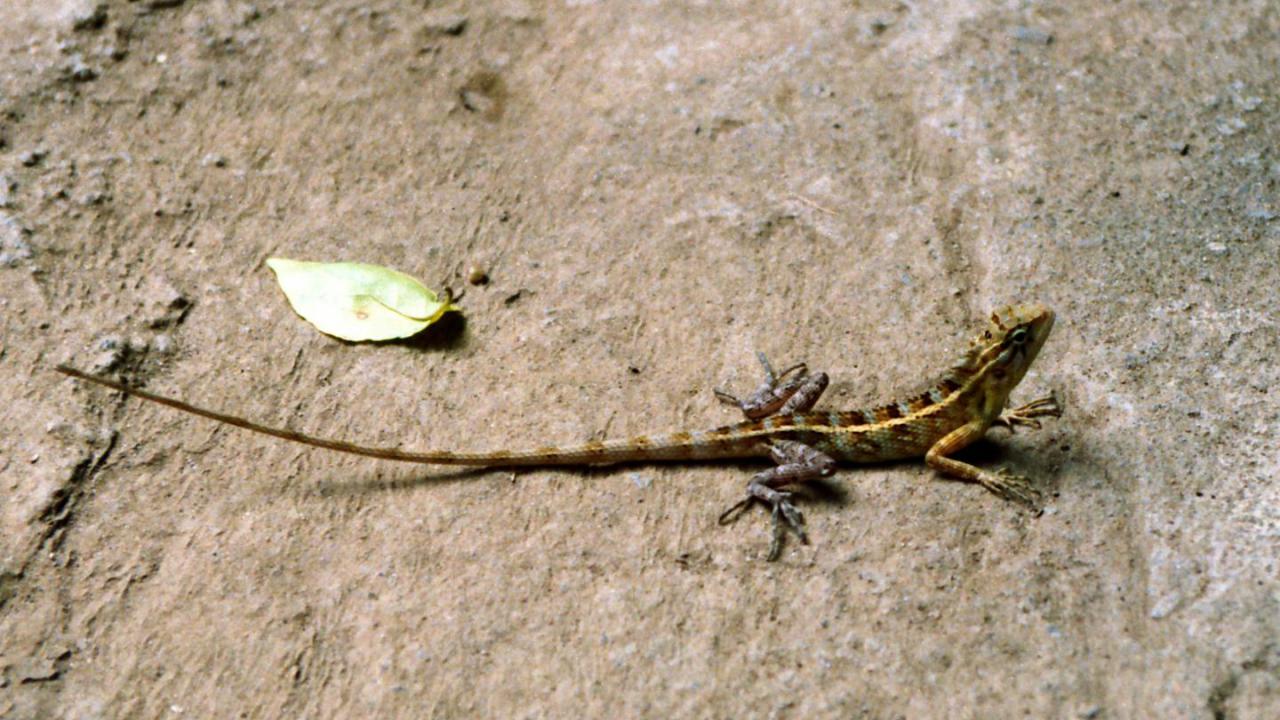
358, 301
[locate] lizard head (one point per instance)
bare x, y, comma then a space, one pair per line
1008, 345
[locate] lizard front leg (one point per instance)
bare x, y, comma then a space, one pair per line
796, 463
1002, 482
777, 394
1026, 415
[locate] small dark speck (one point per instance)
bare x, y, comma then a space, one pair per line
697, 130
633, 369
1115, 193
1185, 150
837, 126
514, 297
1193, 413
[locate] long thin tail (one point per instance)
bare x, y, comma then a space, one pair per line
725, 442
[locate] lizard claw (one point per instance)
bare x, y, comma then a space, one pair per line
1027, 414
774, 391
1013, 487
785, 517
735, 512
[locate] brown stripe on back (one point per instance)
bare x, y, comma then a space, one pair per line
948, 385
593, 447
919, 402
885, 413
641, 441
720, 432
681, 437
850, 418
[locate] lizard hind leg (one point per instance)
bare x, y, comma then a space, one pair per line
778, 394
796, 463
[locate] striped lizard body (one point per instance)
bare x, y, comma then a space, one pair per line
805, 444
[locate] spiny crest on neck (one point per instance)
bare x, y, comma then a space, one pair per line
1023, 327
1006, 325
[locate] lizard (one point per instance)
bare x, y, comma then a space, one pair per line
780, 423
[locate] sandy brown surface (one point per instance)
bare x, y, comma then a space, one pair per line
657, 190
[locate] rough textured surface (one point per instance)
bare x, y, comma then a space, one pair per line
654, 194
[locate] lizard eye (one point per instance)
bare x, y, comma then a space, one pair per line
1018, 336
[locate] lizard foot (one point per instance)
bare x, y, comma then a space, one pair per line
1027, 414
786, 516
783, 392
1012, 487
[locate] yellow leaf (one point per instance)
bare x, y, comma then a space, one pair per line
358, 301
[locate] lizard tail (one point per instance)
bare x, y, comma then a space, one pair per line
724, 442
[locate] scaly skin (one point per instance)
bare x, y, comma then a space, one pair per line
955, 411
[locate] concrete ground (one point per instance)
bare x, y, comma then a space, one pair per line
655, 191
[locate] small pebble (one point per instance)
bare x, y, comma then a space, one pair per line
1216, 248
213, 159
13, 241
88, 14
1231, 126
109, 342
1249, 104
32, 158
477, 276
1031, 35
80, 71
444, 24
